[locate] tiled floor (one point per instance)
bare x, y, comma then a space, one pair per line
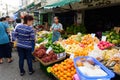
10, 71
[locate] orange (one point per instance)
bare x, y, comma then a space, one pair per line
68, 74
69, 78
56, 73
55, 69
61, 78
65, 76
69, 66
62, 63
68, 70
72, 68
72, 64
65, 67
72, 73
58, 76
65, 72
61, 74
61, 69
56, 65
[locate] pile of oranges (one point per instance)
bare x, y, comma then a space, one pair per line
88, 39
64, 70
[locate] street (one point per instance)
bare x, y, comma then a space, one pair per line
10, 71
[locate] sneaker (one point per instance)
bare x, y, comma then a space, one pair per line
22, 74
30, 73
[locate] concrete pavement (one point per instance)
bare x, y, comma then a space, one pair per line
10, 71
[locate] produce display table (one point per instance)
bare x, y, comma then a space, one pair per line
79, 45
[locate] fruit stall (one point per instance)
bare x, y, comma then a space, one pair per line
80, 56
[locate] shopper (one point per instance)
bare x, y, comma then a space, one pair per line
5, 50
24, 34
7, 19
3, 19
56, 28
17, 22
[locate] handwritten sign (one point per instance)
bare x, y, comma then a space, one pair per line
103, 38
72, 56
48, 50
93, 35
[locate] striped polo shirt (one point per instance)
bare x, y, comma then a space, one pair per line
24, 35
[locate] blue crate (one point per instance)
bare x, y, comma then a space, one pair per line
109, 75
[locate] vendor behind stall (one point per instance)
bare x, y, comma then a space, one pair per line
56, 28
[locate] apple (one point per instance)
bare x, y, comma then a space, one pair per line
103, 45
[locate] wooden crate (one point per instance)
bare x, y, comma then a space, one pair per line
49, 63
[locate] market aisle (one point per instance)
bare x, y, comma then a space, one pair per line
11, 71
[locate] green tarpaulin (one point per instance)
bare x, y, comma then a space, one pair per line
61, 3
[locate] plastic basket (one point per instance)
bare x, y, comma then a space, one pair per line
109, 75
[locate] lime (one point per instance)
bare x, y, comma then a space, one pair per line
49, 69
111, 33
108, 36
114, 41
109, 40
112, 37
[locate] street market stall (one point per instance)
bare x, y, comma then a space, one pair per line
85, 53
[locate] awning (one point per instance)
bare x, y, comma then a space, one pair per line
31, 5
61, 3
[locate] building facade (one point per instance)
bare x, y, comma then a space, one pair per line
3, 8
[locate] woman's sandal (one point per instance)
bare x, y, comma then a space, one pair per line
10, 61
1, 62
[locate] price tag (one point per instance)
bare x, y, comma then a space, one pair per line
103, 38
72, 56
61, 54
37, 44
48, 50
93, 35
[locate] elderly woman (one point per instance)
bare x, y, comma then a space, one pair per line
24, 34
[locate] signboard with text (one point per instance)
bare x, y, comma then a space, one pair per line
94, 3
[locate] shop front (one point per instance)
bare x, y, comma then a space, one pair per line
102, 19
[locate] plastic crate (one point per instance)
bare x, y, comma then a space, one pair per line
109, 75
